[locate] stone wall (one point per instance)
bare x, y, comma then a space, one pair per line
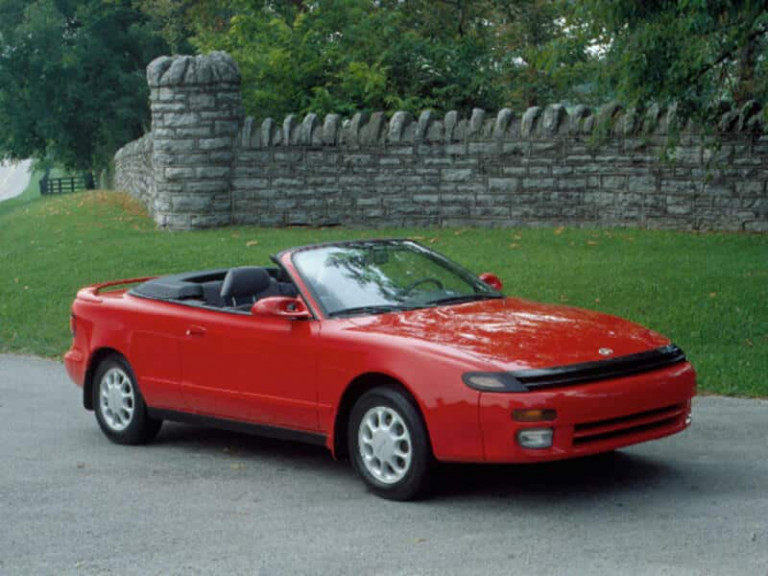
197, 113
133, 169
204, 164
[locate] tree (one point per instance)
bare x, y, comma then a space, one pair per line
694, 52
72, 79
349, 55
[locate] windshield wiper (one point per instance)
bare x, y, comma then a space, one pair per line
464, 298
374, 309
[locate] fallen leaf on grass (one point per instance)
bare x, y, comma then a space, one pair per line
592, 243
514, 245
559, 230
252, 243
713, 294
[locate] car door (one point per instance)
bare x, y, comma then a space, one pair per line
155, 353
249, 368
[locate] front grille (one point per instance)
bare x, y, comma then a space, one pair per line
619, 367
588, 432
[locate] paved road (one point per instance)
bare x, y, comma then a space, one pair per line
210, 502
14, 178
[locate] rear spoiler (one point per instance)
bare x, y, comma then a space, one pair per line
91, 293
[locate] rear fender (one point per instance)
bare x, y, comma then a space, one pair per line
97, 358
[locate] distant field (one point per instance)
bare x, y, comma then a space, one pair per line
708, 292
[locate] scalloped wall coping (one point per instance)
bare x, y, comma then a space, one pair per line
536, 122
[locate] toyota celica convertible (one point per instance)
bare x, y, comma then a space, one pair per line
381, 350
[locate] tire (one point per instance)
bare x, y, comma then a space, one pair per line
389, 446
119, 406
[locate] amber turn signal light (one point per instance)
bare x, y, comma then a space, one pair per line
534, 415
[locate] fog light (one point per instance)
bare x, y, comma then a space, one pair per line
535, 438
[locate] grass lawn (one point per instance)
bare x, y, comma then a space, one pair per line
708, 292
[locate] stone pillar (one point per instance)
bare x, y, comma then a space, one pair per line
196, 116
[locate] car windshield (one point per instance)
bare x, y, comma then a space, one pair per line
378, 277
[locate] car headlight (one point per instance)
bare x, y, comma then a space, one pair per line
493, 382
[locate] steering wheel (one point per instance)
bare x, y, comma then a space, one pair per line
411, 287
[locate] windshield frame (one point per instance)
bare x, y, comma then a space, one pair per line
478, 285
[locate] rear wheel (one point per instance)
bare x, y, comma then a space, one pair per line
119, 405
389, 446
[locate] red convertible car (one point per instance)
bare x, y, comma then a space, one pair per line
380, 350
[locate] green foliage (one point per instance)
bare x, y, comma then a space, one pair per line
692, 52
542, 60
171, 22
72, 81
349, 55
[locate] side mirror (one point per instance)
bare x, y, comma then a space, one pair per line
283, 307
492, 280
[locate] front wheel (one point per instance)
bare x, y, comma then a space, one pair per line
119, 405
389, 445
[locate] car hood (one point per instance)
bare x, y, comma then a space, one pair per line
515, 334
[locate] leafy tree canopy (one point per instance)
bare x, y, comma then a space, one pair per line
72, 82
72, 78
697, 53
349, 55
345, 55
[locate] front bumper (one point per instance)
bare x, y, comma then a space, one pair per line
591, 418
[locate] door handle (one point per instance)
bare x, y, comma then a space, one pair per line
196, 331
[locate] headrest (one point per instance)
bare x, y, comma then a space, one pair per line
245, 281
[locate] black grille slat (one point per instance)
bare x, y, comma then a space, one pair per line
585, 427
600, 370
625, 431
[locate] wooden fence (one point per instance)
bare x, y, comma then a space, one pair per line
66, 184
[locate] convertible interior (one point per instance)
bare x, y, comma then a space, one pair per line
227, 289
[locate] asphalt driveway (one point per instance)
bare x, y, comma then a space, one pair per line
14, 178
198, 501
